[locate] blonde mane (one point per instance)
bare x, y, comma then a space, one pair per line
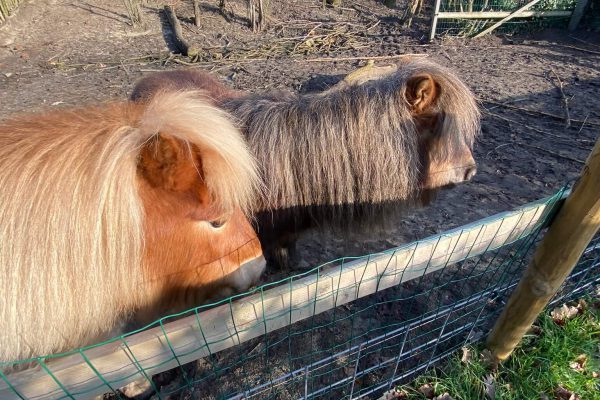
71, 219
356, 145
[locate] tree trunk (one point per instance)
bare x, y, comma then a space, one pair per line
257, 14
182, 45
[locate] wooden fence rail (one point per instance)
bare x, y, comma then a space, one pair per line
227, 325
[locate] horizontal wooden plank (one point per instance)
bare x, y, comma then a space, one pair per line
501, 14
235, 322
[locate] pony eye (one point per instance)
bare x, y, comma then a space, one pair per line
219, 223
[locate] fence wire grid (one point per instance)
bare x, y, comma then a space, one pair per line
359, 349
469, 23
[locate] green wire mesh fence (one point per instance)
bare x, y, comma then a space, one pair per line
352, 328
466, 18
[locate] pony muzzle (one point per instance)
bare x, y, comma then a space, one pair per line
470, 172
249, 273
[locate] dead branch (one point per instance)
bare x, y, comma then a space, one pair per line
335, 59
535, 112
566, 139
182, 45
553, 153
584, 121
583, 41
565, 101
578, 49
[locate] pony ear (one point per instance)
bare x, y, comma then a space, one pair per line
170, 163
421, 92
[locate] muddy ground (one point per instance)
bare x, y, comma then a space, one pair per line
60, 53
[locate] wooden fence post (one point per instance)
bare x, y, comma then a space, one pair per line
577, 14
574, 226
434, 21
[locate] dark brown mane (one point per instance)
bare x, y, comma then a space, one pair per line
356, 145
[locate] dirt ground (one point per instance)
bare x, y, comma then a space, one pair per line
58, 53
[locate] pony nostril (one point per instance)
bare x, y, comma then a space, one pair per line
470, 172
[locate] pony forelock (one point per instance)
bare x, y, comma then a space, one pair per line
230, 170
461, 113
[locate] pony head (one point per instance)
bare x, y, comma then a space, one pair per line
198, 183
118, 210
447, 120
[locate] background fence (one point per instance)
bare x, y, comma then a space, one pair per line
352, 328
470, 17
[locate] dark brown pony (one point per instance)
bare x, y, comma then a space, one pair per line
118, 209
344, 153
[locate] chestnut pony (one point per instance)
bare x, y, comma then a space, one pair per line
117, 209
341, 154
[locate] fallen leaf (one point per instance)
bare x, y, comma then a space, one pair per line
561, 393
489, 384
427, 391
575, 365
582, 305
8, 74
535, 330
259, 348
444, 396
579, 363
595, 374
475, 335
562, 314
467, 355
489, 360
394, 394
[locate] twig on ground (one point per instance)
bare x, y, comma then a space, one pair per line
535, 112
566, 46
335, 59
565, 101
182, 62
182, 45
545, 133
584, 121
552, 153
583, 41
497, 147
579, 49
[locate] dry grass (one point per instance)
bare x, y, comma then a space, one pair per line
7, 7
